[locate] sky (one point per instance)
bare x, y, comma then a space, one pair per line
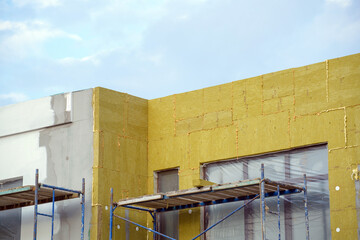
156, 48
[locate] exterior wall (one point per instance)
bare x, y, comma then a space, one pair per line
120, 160
53, 134
318, 103
118, 140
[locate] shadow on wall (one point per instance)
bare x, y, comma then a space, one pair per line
10, 220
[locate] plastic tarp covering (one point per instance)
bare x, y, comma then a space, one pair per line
287, 167
168, 221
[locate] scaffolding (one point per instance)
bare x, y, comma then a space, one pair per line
40, 193
248, 190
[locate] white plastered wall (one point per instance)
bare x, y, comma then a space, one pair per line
55, 135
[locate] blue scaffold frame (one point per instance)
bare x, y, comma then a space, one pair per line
262, 195
52, 215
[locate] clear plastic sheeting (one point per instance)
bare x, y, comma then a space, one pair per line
287, 167
168, 221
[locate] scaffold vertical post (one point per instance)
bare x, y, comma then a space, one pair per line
111, 214
154, 224
82, 208
262, 196
36, 201
306, 209
278, 210
52, 214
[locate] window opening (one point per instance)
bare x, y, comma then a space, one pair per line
287, 166
168, 222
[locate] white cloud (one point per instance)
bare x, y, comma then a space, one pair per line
131, 8
93, 59
7, 25
155, 48
341, 3
37, 3
14, 97
25, 38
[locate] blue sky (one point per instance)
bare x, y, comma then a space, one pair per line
155, 48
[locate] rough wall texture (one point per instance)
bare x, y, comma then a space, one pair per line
292, 108
133, 137
53, 134
120, 160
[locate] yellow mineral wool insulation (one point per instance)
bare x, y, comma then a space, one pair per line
345, 126
289, 125
232, 100
262, 94
297, 109
174, 113
237, 142
346, 147
321, 112
327, 80
125, 110
294, 101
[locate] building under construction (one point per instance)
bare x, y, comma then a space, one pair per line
270, 157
